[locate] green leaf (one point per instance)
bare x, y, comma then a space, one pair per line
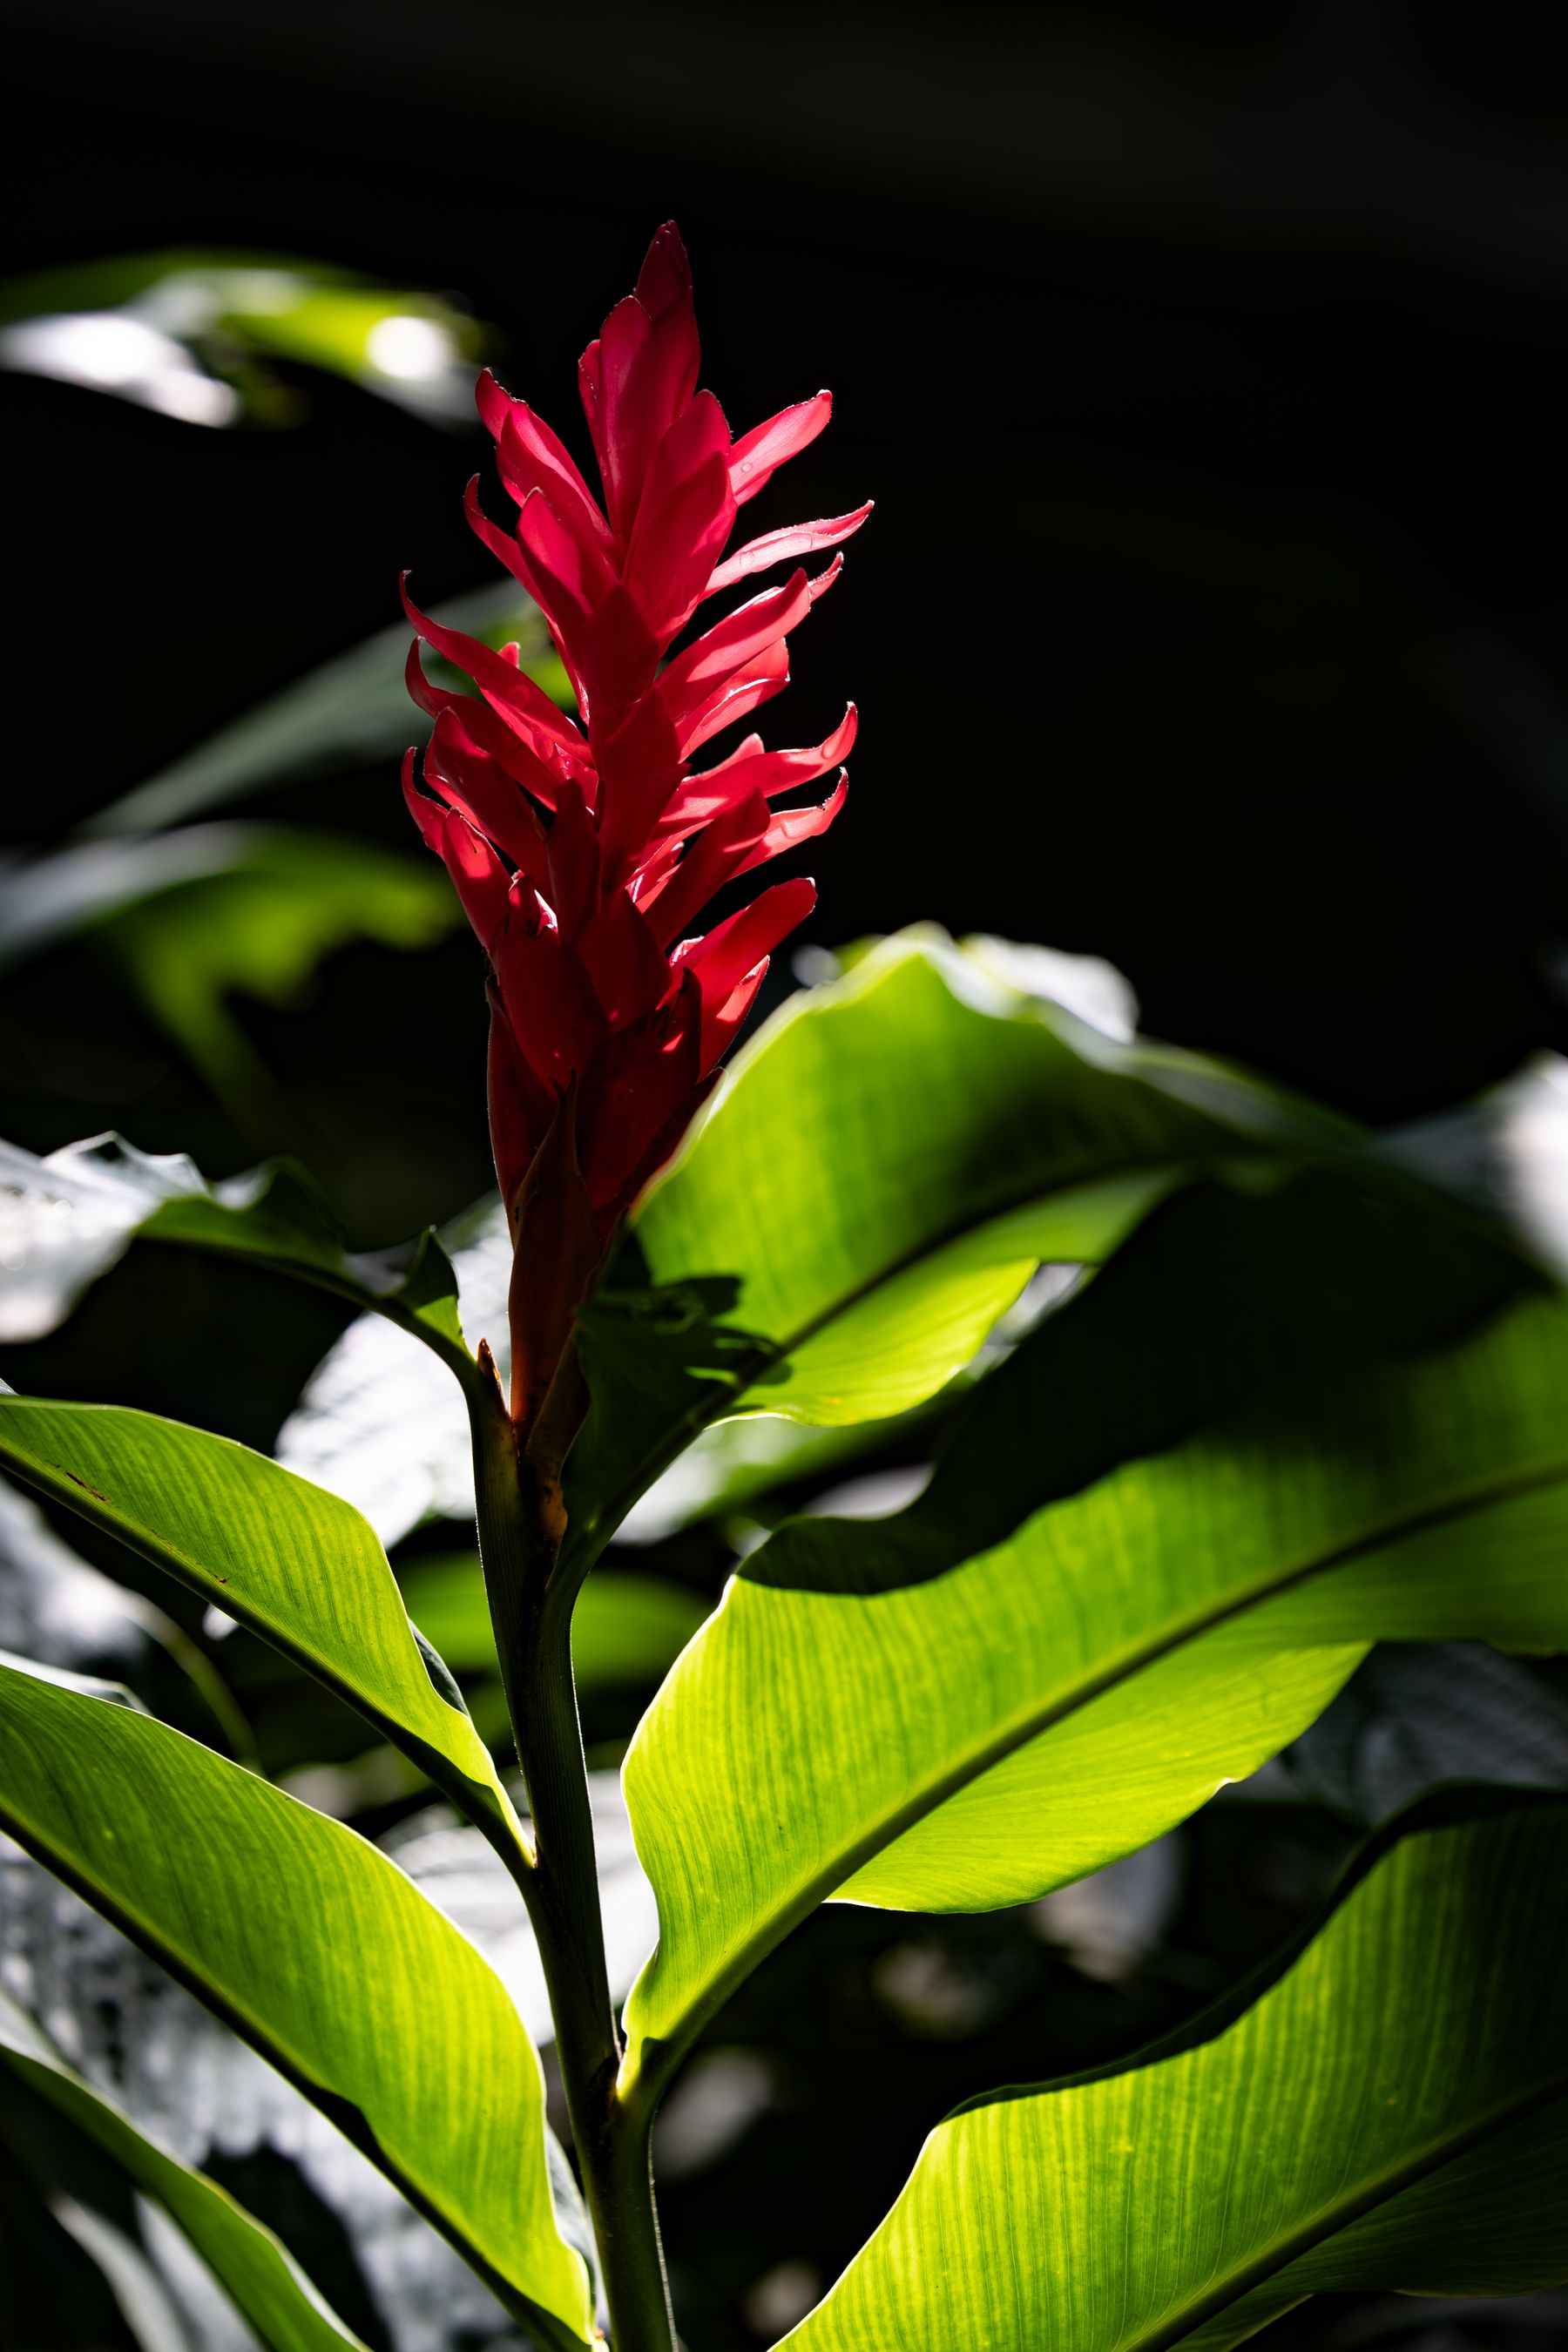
1162, 1534
882, 1171
66, 1219
188, 332
1390, 2111
261, 2278
297, 1565
625, 1628
319, 1953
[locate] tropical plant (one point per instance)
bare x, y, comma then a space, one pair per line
1291, 1402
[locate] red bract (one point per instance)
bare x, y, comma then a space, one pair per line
584, 851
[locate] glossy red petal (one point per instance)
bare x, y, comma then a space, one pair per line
738, 697
725, 848
530, 457
690, 679
623, 961
481, 881
719, 1027
664, 289
723, 956
758, 455
789, 827
686, 515
470, 778
493, 403
575, 561
476, 730
509, 691
546, 996
786, 546
572, 858
750, 769
615, 656
504, 546
639, 1098
622, 380
639, 772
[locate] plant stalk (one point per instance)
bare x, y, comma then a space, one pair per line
530, 1611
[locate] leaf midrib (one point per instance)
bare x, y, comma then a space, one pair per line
1342, 2213
664, 2051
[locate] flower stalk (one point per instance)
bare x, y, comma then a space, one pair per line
532, 1616
584, 848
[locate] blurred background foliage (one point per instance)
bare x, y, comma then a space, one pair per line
1208, 369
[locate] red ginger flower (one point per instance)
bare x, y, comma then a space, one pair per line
582, 851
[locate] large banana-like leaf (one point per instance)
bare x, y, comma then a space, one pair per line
1391, 2110
300, 1566
259, 2275
1159, 1542
318, 1951
886, 1165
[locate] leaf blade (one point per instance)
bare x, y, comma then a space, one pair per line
1068, 1641
1321, 2129
257, 2272
299, 1565
266, 1911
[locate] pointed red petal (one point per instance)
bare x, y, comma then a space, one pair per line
786, 546
639, 772
718, 1028
723, 956
624, 960
530, 457
509, 691
477, 732
481, 881
572, 855
741, 694
622, 378
692, 677
790, 827
639, 1098
545, 994
686, 514
758, 455
714, 857
664, 289
470, 778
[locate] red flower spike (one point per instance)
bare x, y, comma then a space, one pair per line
582, 851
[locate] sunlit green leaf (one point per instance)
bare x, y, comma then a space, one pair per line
260, 2276
1160, 1539
884, 1168
297, 1565
188, 333
321, 1953
1389, 2109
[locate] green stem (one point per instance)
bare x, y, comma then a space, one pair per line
531, 1609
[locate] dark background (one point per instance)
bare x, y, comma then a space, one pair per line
1209, 367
